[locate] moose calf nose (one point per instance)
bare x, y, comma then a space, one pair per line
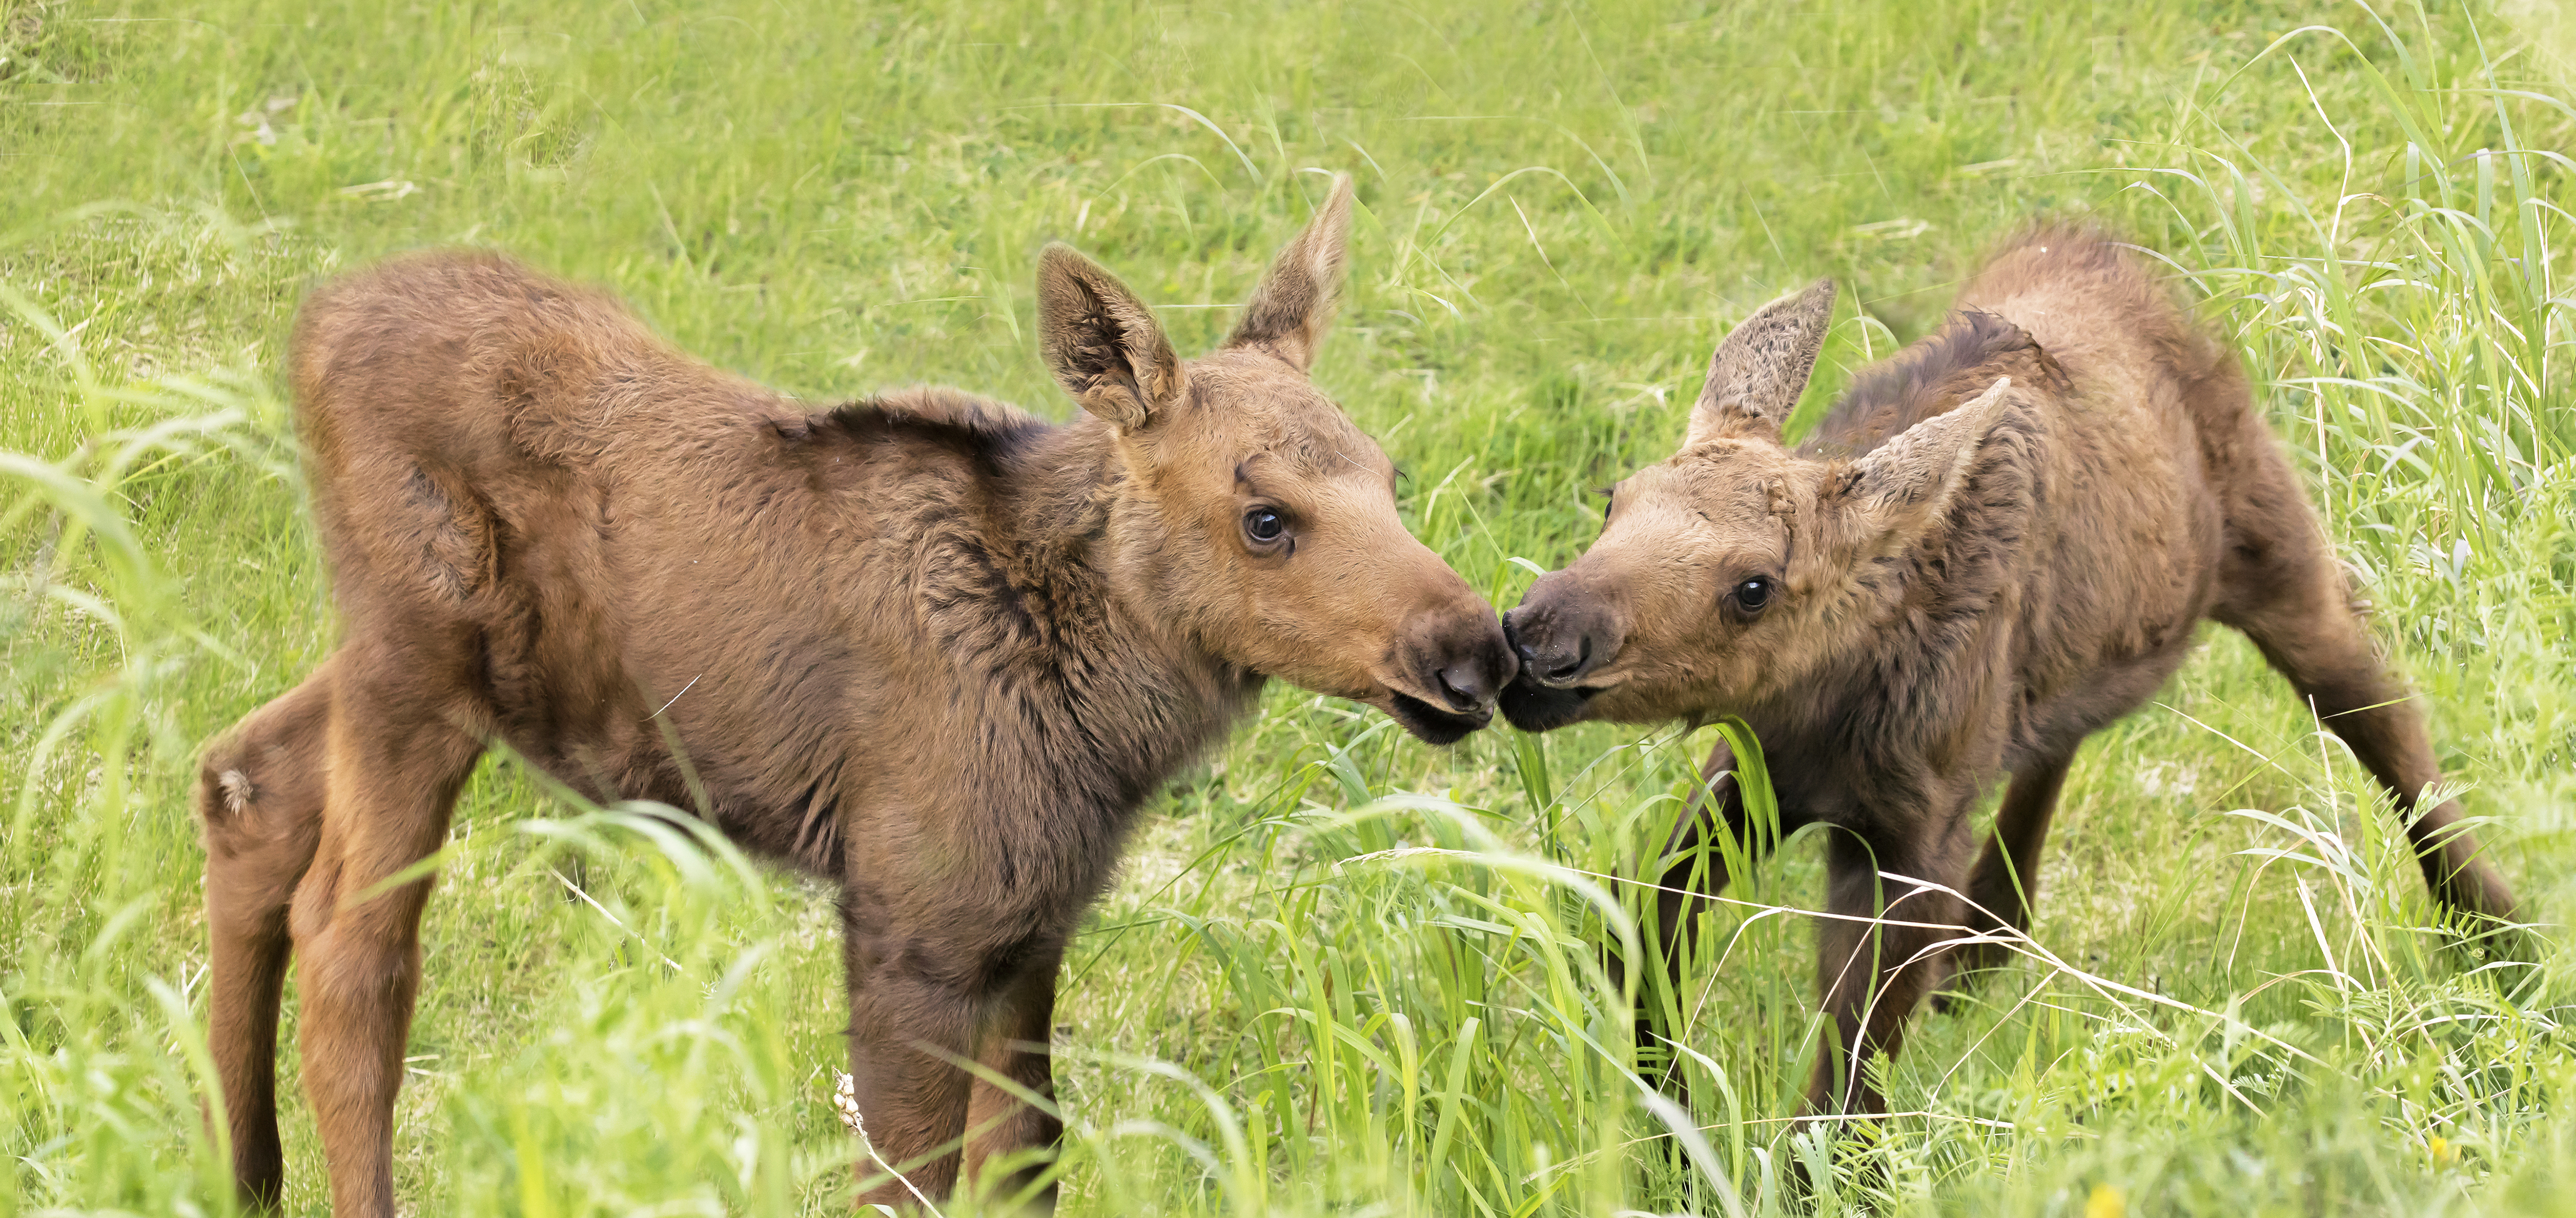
1520, 646
1465, 662
1554, 651
1558, 668
1468, 684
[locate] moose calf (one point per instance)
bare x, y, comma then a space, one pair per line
923, 645
1997, 542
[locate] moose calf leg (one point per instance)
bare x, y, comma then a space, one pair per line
2381, 722
999, 1122
397, 761
1686, 890
1873, 972
259, 795
2295, 608
911, 1022
2005, 886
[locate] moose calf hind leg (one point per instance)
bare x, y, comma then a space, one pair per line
396, 765
2379, 719
259, 795
2297, 613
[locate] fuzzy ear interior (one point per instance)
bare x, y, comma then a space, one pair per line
1756, 375
1101, 342
1906, 484
1293, 307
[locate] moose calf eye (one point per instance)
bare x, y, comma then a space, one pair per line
1263, 525
1753, 594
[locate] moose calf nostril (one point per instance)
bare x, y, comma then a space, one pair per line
1564, 672
1464, 686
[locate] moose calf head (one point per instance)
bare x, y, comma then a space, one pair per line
1728, 572
1252, 513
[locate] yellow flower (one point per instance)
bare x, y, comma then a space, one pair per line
2106, 1202
2441, 1149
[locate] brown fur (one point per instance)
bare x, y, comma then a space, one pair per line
1998, 542
922, 645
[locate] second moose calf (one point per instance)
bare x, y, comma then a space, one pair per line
1999, 541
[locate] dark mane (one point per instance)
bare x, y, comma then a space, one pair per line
1927, 378
970, 426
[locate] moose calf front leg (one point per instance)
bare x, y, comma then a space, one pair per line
912, 1020
1000, 1121
2002, 890
1875, 952
1695, 870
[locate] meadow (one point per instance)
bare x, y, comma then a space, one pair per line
2237, 1000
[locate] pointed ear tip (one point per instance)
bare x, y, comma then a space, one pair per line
1338, 207
1066, 254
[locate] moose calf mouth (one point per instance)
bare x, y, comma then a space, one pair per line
1533, 707
1430, 724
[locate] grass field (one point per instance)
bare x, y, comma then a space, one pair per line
1563, 205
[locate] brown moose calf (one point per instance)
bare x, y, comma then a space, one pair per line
1996, 543
922, 645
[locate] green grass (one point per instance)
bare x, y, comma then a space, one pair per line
1563, 205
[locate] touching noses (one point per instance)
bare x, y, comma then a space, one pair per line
1559, 636
1466, 660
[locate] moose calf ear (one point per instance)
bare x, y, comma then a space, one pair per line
1294, 304
1103, 344
1757, 374
1904, 485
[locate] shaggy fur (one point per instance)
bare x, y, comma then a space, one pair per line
1998, 542
923, 645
